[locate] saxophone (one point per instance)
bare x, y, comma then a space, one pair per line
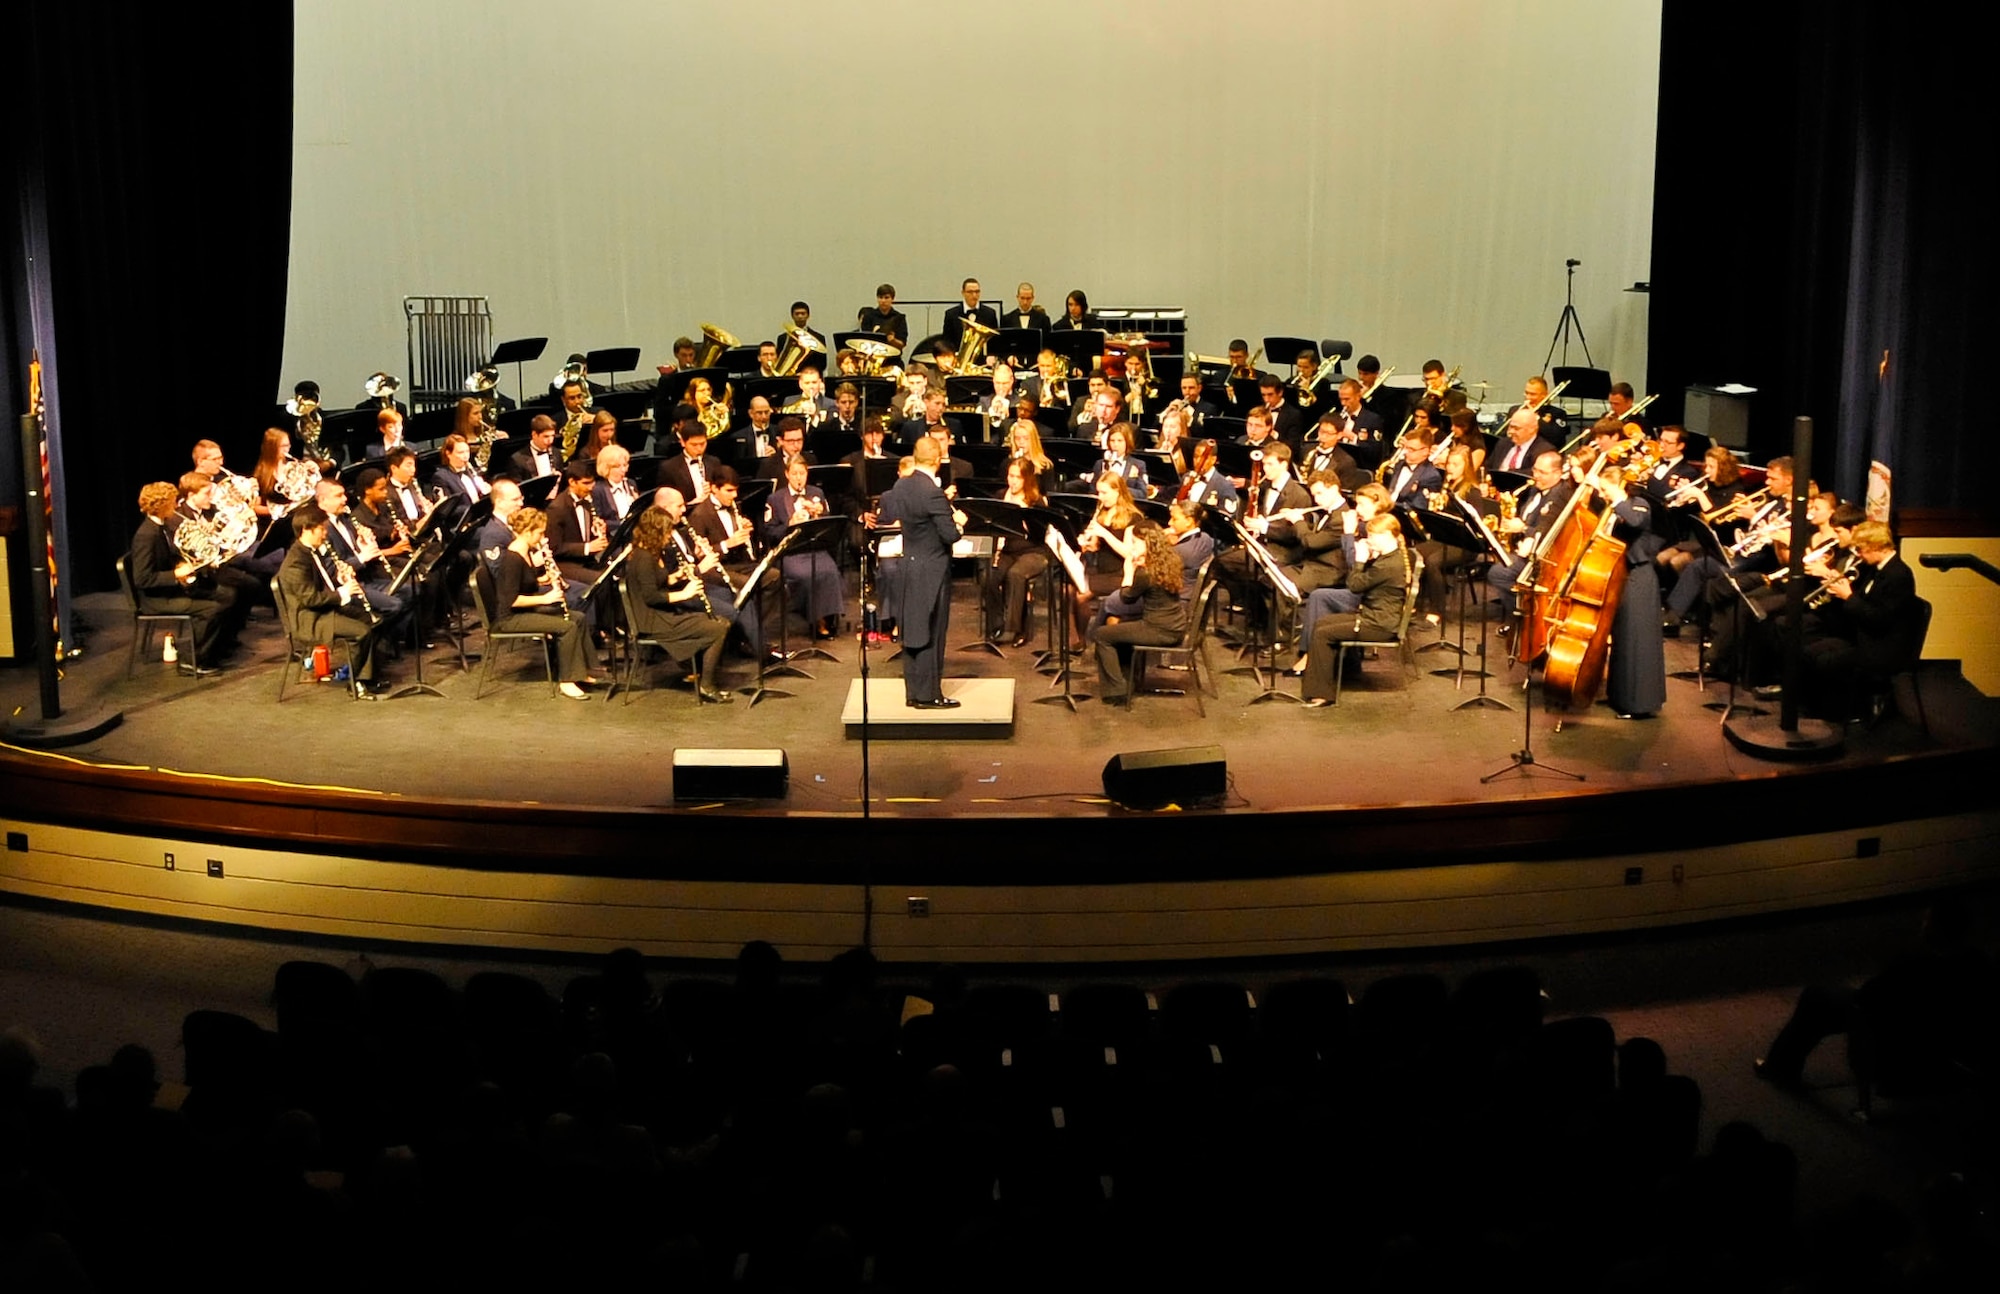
572, 432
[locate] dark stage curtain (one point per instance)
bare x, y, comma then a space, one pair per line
165, 141
1812, 211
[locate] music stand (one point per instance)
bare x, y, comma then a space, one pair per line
523, 350
820, 535
1002, 520
1018, 346
1060, 537
612, 361
753, 585
1084, 349
1282, 587
1523, 761
1453, 532
1729, 707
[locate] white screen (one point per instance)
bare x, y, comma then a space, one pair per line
1406, 176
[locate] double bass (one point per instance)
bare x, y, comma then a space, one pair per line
1569, 595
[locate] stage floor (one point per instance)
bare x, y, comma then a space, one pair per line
1390, 742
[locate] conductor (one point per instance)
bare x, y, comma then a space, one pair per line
930, 528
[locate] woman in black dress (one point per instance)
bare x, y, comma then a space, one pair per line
670, 603
528, 598
1016, 562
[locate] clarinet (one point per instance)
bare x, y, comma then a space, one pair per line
345, 575
687, 570
557, 584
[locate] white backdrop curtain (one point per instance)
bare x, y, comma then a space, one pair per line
1408, 176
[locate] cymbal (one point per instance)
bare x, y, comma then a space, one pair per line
1482, 385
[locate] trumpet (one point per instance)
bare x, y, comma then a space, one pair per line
1822, 595
1692, 490
1740, 506
1768, 524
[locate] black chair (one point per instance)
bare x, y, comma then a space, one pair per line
1401, 642
1193, 645
298, 654
635, 643
482, 602
1306, 1023
1207, 1023
144, 622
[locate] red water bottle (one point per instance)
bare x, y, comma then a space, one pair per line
322, 663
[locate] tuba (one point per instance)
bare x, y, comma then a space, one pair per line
304, 406
792, 352
382, 388
715, 341
481, 384
972, 346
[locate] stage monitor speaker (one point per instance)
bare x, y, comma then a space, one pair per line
731, 774
1153, 779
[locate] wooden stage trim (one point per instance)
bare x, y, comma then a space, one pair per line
367, 899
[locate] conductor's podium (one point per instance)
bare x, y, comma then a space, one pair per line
985, 711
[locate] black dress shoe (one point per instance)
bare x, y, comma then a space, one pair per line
197, 671
712, 697
1021, 641
941, 703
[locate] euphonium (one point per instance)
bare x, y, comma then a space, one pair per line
572, 432
482, 384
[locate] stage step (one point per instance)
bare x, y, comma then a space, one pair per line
985, 711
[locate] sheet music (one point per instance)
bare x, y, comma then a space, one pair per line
1479, 520
1071, 562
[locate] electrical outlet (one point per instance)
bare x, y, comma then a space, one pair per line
170, 860
17, 842
215, 868
1634, 875
920, 906
1868, 847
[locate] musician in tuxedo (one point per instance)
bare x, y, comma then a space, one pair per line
1322, 562
1308, 386
539, 458
248, 577
791, 449
1043, 384
811, 405
1091, 418
1275, 494
167, 584
996, 407
1412, 479
1257, 437
757, 440
1867, 630
930, 528
732, 537
1077, 315
455, 478
1120, 461
1328, 454
954, 318
1287, 423
577, 535
813, 579
1199, 411
1554, 423
1442, 398
915, 431
835, 436
883, 319
326, 609
389, 429
859, 501
1525, 445
615, 494
693, 469
1361, 428
1673, 470
1025, 314
1381, 581
355, 543
669, 600
802, 322
1541, 502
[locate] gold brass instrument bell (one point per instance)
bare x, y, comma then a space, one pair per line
715, 342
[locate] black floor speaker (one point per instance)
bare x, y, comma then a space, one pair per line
1153, 779
731, 774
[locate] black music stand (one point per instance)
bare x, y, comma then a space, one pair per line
612, 360
1061, 602
820, 535
1523, 761
1018, 346
1084, 349
524, 350
1445, 529
753, 586
1730, 706
1002, 520
1282, 588
1490, 550
416, 572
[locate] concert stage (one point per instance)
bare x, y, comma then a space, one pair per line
527, 821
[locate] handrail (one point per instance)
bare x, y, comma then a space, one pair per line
1956, 561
